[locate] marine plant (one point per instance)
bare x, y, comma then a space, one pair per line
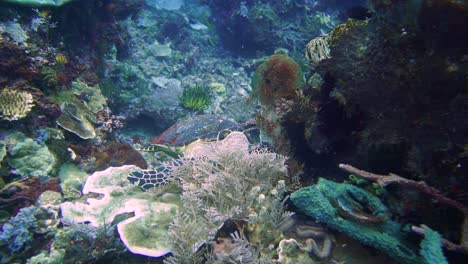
278, 77
196, 98
15, 105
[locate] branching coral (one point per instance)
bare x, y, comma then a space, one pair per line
15, 105
231, 185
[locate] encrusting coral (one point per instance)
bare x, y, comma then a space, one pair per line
15, 105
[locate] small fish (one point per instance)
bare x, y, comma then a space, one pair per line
198, 26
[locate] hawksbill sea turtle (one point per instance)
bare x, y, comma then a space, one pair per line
197, 137
148, 179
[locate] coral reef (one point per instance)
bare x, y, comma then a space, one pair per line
43, 104
215, 192
25, 193
15, 105
430, 247
14, 62
30, 159
385, 181
72, 180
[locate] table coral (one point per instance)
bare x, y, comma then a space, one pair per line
93, 98
75, 121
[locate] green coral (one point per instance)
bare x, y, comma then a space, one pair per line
94, 101
29, 158
196, 98
320, 202
15, 105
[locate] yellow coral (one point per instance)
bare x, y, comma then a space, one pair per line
15, 105
61, 59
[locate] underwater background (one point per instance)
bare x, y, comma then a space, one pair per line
227, 131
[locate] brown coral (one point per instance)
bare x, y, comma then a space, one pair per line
278, 77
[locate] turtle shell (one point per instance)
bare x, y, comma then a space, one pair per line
204, 127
